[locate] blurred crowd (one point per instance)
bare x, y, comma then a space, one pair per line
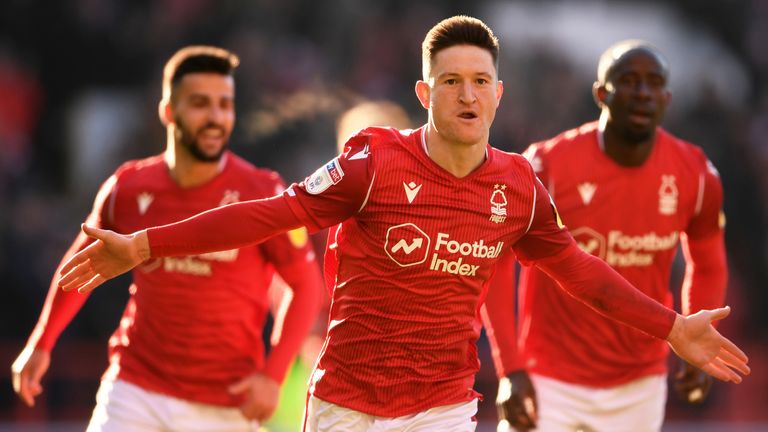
80, 82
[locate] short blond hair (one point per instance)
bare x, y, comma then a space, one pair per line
370, 113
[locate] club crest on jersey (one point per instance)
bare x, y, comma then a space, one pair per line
230, 197
323, 178
498, 204
668, 195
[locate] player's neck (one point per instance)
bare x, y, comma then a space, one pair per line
621, 150
457, 158
189, 172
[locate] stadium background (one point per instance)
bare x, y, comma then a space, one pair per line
80, 80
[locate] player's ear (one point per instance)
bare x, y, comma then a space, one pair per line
599, 94
667, 97
165, 112
422, 92
499, 91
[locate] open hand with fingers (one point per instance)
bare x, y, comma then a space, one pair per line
696, 341
109, 256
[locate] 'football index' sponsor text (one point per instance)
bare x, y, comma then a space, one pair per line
476, 249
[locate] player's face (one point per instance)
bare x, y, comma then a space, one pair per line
636, 95
204, 114
462, 94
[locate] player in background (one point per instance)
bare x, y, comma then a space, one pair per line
425, 215
629, 192
188, 354
288, 416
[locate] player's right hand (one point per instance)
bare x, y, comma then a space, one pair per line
27, 370
110, 255
516, 402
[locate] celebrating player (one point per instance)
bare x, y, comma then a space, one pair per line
188, 354
629, 192
425, 215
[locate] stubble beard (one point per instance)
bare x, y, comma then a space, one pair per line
189, 142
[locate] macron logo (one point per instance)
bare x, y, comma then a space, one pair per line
411, 190
407, 248
587, 191
144, 199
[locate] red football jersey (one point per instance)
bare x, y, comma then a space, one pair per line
632, 218
410, 268
193, 324
413, 253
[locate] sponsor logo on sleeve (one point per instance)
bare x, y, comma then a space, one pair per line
324, 177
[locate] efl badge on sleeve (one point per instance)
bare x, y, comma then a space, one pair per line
324, 177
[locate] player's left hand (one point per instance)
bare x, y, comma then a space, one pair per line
691, 383
696, 341
260, 396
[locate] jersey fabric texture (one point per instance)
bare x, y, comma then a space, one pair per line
413, 253
193, 324
632, 218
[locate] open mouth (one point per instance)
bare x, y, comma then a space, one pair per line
212, 133
468, 115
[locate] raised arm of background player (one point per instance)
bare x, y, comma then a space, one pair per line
581, 274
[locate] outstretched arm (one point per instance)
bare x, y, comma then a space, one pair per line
228, 227
691, 337
549, 246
